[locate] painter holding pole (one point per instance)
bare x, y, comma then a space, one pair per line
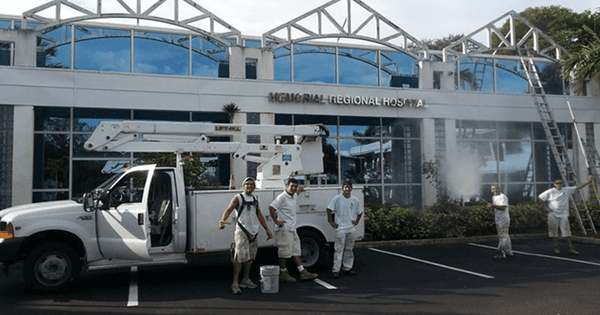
502, 219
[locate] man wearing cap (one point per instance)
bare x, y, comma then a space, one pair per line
284, 213
248, 216
344, 212
556, 202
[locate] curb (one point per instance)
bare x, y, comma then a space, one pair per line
459, 240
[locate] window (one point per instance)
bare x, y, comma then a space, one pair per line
314, 64
7, 54
102, 49
158, 53
514, 154
281, 63
251, 68
54, 48
358, 67
384, 155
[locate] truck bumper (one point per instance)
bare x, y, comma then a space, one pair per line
9, 250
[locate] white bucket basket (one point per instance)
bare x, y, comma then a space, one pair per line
269, 279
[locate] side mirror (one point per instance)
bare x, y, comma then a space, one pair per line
88, 202
100, 199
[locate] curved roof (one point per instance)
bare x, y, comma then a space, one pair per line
66, 11
360, 22
469, 45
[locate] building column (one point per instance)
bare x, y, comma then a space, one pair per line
428, 150
22, 160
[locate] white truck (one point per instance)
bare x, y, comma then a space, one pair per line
145, 215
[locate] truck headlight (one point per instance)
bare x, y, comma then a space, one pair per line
6, 230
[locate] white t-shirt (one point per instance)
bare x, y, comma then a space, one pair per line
248, 218
501, 215
346, 210
286, 207
558, 200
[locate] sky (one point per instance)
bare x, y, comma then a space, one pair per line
423, 19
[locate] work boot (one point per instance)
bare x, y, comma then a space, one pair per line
235, 288
555, 245
572, 250
285, 277
248, 284
305, 275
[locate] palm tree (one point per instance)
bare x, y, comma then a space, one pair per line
584, 63
230, 109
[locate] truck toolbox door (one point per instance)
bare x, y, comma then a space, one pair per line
123, 229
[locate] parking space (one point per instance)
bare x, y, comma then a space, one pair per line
450, 278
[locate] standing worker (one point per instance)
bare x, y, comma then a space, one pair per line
556, 202
502, 218
344, 213
246, 231
284, 211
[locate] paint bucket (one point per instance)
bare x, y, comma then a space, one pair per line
269, 279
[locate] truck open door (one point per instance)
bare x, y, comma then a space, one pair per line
123, 228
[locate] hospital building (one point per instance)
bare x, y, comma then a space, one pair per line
396, 110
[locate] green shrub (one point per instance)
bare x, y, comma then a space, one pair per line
448, 219
391, 223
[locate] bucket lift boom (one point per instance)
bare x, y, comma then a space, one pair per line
303, 157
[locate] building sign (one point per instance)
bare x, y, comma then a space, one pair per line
345, 100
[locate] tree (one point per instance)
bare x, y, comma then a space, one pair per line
441, 43
585, 62
577, 32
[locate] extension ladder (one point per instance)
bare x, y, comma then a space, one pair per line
557, 144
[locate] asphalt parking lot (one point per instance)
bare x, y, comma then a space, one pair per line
433, 277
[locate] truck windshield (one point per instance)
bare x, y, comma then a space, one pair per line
106, 184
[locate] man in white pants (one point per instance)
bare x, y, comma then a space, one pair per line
502, 218
556, 202
344, 212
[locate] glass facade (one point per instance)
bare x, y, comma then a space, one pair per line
382, 154
495, 75
515, 155
125, 50
64, 170
348, 66
122, 50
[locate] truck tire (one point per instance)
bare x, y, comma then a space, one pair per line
314, 253
51, 267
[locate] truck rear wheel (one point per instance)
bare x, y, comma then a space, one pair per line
51, 267
313, 249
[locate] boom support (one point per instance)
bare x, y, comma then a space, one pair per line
303, 157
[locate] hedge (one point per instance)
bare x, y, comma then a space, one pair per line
447, 219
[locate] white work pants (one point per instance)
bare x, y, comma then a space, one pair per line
504, 244
343, 256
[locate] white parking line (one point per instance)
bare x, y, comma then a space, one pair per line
325, 284
541, 255
133, 288
432, 263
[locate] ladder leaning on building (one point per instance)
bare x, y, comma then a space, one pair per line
557, 143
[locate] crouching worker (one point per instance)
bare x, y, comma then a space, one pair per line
248, 216
344, 212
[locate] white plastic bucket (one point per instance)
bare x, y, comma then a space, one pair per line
269, 279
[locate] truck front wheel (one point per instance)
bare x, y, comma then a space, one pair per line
51, 267
313, 249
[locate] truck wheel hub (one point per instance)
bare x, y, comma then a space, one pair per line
53, 267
